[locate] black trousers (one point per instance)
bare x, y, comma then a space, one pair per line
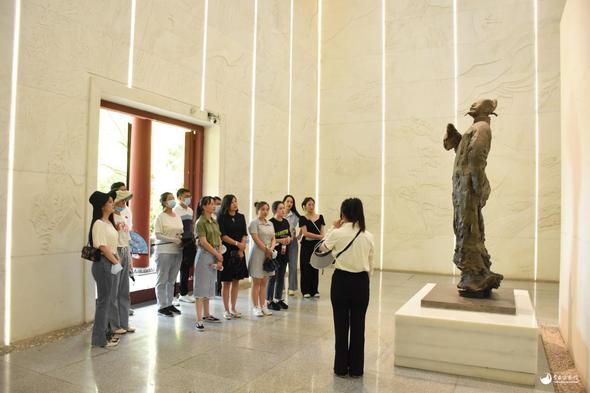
188, 260
309, 274
350, 299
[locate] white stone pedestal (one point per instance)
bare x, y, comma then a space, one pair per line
476, 344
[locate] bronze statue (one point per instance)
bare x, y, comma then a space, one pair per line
470, 193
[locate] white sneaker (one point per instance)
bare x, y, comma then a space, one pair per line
258, 312
306, 295
266, 312
236, 314
291, 292
187, 299
227, 315
175, 301
317, 295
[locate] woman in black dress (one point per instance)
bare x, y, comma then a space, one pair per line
312, 228
234, 234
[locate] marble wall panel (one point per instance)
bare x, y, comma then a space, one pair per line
419, 103
55, 137
350, 134
574, 292
169, 48
303, 100
55, 298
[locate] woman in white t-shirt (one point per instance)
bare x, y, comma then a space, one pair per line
104, 237
168, 230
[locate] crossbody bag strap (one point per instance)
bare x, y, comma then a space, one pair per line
349, 244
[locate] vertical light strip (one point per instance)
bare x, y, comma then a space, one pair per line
253, 110
317, 132
289, 130
204, 59
131, 45
382, 130
455, 89
10, 177
536, 242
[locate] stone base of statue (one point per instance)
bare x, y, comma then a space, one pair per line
479, 344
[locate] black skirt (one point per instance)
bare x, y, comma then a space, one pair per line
234, 267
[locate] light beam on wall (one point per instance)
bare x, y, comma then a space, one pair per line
536, 241
382, 130
10, 176
317, 133
289, 129
131, 45
204, 60
253, 109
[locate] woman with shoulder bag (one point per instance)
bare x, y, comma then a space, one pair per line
350, 286
208, 261
263, 235
312, 230
234, 234
104, 237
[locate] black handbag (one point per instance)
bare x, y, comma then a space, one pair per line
90, 253
270, 265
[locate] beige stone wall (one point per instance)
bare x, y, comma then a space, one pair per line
574, 295
64, 44
496, 59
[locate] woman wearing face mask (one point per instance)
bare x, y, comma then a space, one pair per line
292, 215
276, 283
263, 236
104, 237
234, 234
120, 302
208, 261
312, 229
168, 230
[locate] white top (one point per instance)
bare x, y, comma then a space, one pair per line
126, 213
122, 228
105, 234
359, 256
166, 229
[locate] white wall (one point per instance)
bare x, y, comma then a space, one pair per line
574, 293
495, 59
64, 43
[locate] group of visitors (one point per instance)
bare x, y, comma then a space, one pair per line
214, 242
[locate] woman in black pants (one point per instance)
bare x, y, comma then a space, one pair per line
350, 286
312, 230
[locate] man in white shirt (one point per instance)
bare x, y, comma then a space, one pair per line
189, 250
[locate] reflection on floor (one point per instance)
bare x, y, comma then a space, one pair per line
287, 352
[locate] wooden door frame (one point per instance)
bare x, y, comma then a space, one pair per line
193, 165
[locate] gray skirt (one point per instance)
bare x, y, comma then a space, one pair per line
205, 277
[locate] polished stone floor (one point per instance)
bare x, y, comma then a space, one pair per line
287, 352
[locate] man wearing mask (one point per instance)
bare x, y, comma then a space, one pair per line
217, 201
189, 250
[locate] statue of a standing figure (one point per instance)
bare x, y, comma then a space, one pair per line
471, 190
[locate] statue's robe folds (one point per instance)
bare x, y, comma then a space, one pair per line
471, 190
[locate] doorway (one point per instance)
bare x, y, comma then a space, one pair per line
150, 154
